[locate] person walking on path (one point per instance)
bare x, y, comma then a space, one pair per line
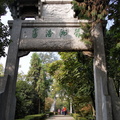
65, 110
58, 111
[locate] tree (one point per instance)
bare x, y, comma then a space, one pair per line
34, 76
48, 57
41, 88
34, 71
4, 32
48, 103
97, 12
25, 95
21, 76
45, 80
74, 75
3, 6
91, 9
39, 78
112, 44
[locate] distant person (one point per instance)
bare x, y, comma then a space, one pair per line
65, 110
59, 111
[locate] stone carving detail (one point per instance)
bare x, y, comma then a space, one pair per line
58, 11
39, 8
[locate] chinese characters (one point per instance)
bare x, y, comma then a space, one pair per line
59, 33
63, 33
35, 32
49, 33
77, 32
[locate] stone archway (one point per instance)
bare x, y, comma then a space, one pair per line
55, 29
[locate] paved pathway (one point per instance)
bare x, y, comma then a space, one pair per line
60, 117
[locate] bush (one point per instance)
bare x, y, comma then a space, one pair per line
81, 118
77, 117
33, 117
50, 113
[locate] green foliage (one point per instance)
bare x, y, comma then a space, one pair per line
34, 72
33, 117
113, 58
114, 10
21, 76
4, 41
77, 117
3, 6
91, 9
39, 78
4, 32
86, 35
62, 102
55, 67
32, 89
96, 10
72, 78
118, 46
112, 44
48, 103
47, 57
34, 77
1, 70
25, 95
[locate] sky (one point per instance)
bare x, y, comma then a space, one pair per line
24, 61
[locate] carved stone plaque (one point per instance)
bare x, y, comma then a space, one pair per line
56, 30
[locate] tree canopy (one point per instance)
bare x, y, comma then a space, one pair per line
74, 78
112, 43
4, 32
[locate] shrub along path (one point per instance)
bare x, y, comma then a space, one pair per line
60, 117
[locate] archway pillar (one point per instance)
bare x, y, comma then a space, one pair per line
7, 93
102, 98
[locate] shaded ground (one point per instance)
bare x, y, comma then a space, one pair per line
60, 117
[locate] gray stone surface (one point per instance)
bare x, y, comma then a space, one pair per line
7, 98
102, 97
115, 100
46, 35
56, 30
39, 8
59, 11
3, 96
2, 83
